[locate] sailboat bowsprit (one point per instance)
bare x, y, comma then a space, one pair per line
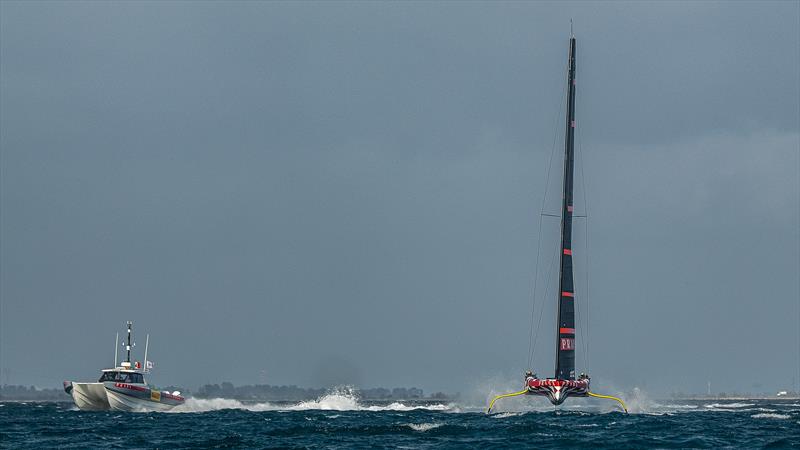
564, 384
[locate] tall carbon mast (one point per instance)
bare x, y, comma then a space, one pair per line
563, 384
565, 341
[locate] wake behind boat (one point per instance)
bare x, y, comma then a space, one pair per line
123, 388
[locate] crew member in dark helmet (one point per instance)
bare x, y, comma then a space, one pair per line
529, 375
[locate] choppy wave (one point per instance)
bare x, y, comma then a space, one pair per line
729, 405
195, 405
340, 399
770, 416
423, 426
319, 423
506, 415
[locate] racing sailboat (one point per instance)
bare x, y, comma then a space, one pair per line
564, 383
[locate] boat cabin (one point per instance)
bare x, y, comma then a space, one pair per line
122, 376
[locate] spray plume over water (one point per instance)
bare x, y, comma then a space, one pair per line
338, 399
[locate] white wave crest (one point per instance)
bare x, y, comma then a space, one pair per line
506, 415
729, 405
339, 399
770, 416
342, 399
423, 426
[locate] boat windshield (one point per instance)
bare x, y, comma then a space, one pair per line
122, 377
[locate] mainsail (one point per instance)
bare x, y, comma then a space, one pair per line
564, 383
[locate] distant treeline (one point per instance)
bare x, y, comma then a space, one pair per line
267, 392
30, 393
259, 392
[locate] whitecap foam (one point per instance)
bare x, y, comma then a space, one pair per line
345, 399
423, 426
506, 415
729, 405
770, 416
402, 407
339, 399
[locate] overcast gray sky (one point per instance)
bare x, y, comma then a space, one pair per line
314, 193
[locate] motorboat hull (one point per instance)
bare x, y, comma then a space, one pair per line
131, 397
88, 396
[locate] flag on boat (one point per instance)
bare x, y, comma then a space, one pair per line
149, 365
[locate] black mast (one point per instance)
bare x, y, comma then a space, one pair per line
565, 342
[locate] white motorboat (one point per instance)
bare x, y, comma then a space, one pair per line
123, 388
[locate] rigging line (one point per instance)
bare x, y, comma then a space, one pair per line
583, 325
586, 243
546, 293
576, 303
533, 307
531, 343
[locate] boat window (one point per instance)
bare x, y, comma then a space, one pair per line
122, 377
108, 376
136, 378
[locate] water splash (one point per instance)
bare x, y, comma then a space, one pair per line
341, 398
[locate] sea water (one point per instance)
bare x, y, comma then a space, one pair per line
340, 420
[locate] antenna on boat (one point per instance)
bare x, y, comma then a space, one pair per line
128, 347
571, 34
116, 348
146, 344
